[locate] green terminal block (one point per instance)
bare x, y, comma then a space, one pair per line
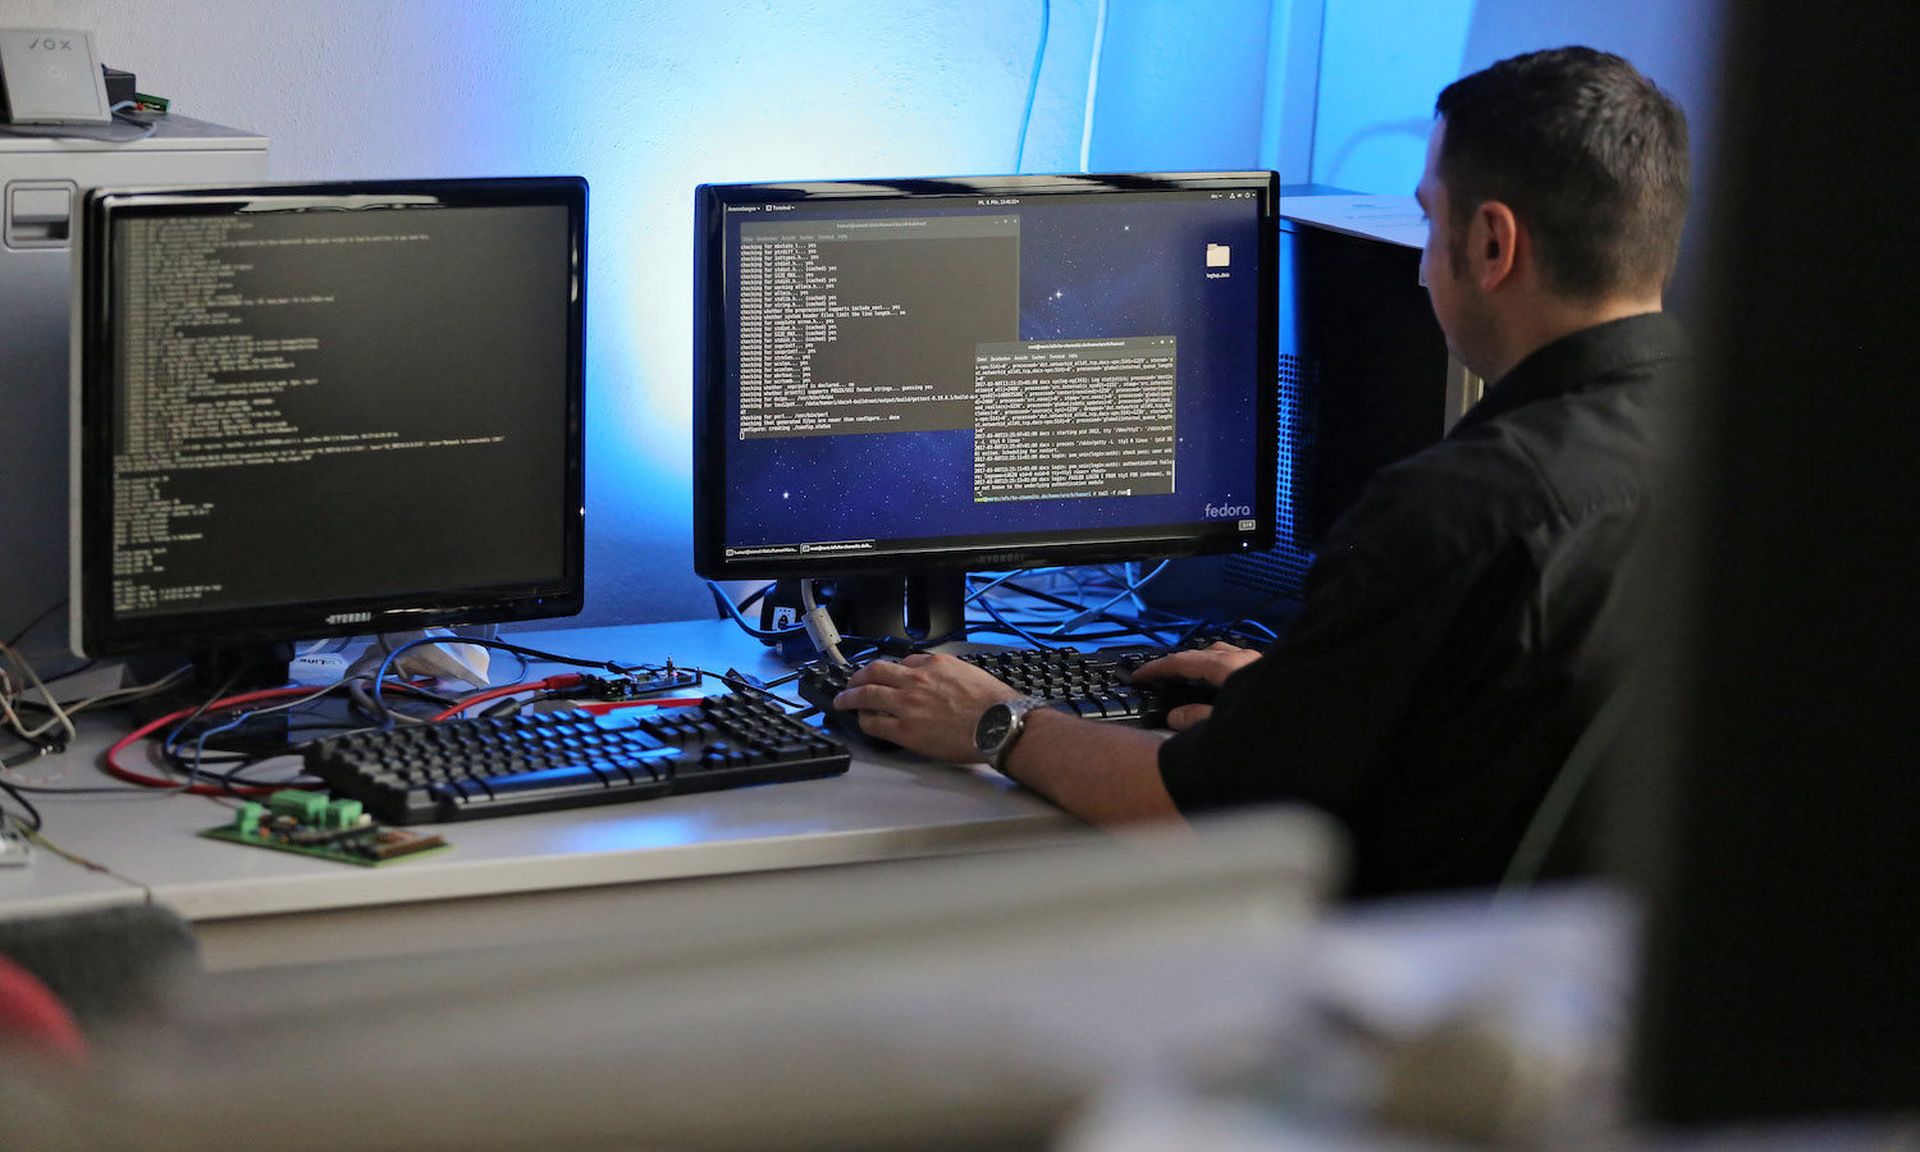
305, 807
247, 820
343, 814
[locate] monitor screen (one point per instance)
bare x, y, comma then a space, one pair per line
995, 372
327, 409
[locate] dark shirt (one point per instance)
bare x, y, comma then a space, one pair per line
1451, 649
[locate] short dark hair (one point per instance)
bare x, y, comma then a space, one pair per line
1589, 154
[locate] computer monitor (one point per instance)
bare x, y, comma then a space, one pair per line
326, 409
899, 381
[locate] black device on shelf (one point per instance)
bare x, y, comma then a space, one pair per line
899, 381
538, 761
326, 409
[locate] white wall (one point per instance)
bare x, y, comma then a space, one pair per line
647, 98
1383, 62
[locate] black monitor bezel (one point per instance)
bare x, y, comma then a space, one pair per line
99, 631
711, 363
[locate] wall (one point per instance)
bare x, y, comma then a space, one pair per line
1382, 63
646, 99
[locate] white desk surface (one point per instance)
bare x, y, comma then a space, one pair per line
886, 806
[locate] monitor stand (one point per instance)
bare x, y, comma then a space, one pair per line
914, 606
236, 670
229, 672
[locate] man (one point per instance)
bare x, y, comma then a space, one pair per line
1450, 652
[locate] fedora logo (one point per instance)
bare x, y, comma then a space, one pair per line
1228, 511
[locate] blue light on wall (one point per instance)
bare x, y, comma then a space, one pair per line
1181, 86
1382, 62
646, 101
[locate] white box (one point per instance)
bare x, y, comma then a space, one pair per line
38, 247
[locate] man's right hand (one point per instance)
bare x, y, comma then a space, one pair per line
1212, 664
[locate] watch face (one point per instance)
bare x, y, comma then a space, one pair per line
992, 728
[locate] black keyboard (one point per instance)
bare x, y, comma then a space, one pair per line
1096, 685
536, 761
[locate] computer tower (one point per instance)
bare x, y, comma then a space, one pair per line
1364, 378
42, 183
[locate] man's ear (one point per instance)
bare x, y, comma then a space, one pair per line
1494, 244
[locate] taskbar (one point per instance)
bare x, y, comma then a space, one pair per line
986, 549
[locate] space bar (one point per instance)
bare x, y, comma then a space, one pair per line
572, 780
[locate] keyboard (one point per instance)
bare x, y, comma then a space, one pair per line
537, 761
1096, 685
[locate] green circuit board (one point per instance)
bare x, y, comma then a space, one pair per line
309, 824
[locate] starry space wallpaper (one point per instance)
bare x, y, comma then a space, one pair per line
1090, 265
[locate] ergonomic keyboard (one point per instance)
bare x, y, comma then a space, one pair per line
536, 761
1096, 685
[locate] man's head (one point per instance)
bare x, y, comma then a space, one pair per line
1584, 163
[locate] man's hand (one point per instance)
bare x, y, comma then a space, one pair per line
928, 703
1212, 664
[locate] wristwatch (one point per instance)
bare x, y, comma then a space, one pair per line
1000, 727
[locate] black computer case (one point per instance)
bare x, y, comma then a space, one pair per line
1364, 379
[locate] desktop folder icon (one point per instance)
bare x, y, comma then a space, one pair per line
1219, 255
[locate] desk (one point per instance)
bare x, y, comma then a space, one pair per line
548, 876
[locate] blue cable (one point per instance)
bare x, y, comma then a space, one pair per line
1099, 610
380, 675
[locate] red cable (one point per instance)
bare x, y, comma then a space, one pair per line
114, 767
558, 680
601, 707
130, 776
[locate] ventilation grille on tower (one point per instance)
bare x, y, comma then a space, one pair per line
1282, 570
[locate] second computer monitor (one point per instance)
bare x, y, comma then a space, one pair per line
319, 409
909, 377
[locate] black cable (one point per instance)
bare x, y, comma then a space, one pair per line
740, 685
989, 628
245, 753
508, 705
33, 814
232, 781
37, 746
735, 612
33, 752
30, 625
380, 677
100, 790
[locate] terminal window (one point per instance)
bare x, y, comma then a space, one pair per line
327, 402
